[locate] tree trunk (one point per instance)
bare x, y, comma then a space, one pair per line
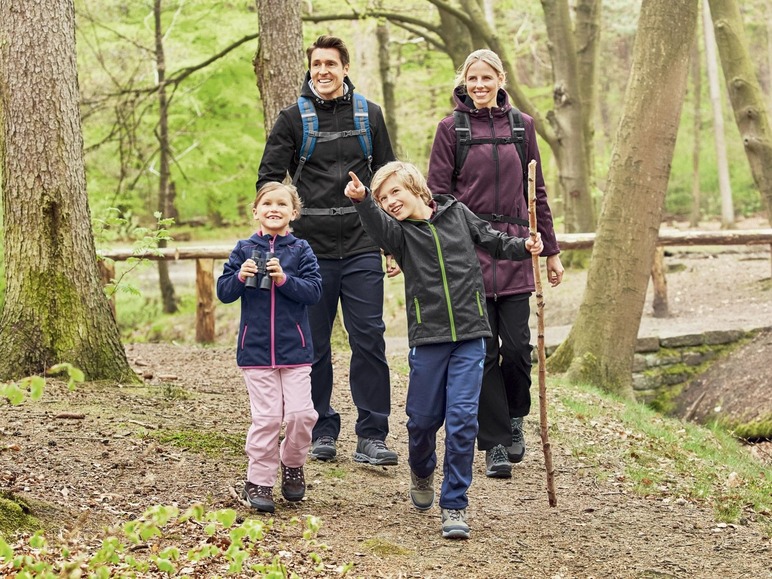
588, 28
745, 94
719, 136
168, 299
280, 62
55, 309
600, 346
696, 213
387, 83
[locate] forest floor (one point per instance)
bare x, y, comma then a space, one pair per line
101, 455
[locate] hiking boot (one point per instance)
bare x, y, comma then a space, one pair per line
293, 483
516, 451
422, 491
496, 463
374, 452
323, 448
454, 524
258, 497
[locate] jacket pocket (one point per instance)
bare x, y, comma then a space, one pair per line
417, 310
302, 337
480, 311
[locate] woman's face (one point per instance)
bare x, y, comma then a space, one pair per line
482, 84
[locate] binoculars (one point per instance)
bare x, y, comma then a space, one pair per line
265, 280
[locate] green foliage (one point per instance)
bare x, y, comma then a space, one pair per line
32, 387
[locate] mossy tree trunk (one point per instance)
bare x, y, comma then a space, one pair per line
55, 309
745, 93
600, 346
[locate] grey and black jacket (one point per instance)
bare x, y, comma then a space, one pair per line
444, 294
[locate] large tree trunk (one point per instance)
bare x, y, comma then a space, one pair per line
279, 62
55, 309
745, 93
600, 346
168, 299
387, 83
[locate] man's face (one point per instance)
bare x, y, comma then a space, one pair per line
327, 72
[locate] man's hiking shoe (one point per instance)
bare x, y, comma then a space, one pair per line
258, 497
323, 448
422, 491
516, 451
454, 524
293, 483
496, 463
374, 452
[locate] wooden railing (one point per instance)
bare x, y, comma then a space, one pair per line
206, 256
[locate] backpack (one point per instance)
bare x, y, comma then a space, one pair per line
311, 134
464, 140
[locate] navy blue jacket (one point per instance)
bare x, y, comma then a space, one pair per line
274, 330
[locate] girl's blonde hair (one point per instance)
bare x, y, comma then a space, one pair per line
409, 177
272, 186
488, 57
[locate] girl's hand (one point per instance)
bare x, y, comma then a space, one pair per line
355, 190
248, 269
274, 269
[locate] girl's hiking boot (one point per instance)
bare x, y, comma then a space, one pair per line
422, 491
516, 451
375, 452
258, 497
293, 483
454, 524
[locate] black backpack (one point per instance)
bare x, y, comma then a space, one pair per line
464, 140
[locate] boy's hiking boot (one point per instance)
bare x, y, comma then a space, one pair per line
323, 448
375, 452
422, 491
496, 463
293, 483
454, 524
516, 451
258, 497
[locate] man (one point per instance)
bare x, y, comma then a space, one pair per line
349, 261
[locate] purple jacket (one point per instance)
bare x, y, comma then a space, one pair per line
491, 181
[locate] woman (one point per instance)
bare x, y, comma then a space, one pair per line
491, 183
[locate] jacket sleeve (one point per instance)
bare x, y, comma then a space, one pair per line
279, 152
382, 228
543, 214
497, 243
229, 286
442, 160
382, 150
304, 287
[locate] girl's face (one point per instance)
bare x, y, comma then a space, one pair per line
399, 202
274, 211
482, 84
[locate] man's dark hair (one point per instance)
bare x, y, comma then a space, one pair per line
329, 42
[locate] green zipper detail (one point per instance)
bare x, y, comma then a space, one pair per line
444, 281
417, 310
479, 304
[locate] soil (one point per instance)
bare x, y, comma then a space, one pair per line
96, 457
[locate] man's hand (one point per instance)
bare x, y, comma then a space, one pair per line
355, 190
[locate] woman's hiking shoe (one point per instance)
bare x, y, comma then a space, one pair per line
454, 524
375, 452
497, 464
516, 451
323, 448
258, 497
422, 491
293, 483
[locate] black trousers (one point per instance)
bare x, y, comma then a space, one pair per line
506, 382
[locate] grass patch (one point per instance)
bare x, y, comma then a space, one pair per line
381, 547
209, 443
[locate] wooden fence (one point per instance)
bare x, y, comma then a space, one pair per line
206, 256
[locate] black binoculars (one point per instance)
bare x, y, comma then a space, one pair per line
265, 280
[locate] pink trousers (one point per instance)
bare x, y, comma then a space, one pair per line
275, 396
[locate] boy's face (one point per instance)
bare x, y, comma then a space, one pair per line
399, 202
274, 212
327, 72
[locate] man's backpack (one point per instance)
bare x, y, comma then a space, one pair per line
464, 140
311, 134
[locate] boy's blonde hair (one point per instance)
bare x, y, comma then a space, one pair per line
409, 177
272, 186
488, 57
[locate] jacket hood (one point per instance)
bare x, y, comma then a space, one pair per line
464, 101
307, 90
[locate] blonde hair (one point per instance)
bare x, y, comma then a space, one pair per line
272, 186
409, 177
488, 57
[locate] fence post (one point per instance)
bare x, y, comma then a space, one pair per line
205, 300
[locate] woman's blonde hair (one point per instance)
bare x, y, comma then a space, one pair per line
488, 57
409, 177
272, 186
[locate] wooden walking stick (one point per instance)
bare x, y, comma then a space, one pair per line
545, 441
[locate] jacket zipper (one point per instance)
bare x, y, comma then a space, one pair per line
273, 313
496, 199
444, 281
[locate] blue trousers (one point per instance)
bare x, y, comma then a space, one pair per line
445, 382
357, 283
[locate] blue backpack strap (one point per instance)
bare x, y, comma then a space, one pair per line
362, 125
310, 132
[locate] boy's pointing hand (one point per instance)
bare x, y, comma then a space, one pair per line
354, 190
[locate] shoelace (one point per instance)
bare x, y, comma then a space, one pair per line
517, 431
455, 515
255, 491
422, 484
326, 441
291, 473
498, 454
